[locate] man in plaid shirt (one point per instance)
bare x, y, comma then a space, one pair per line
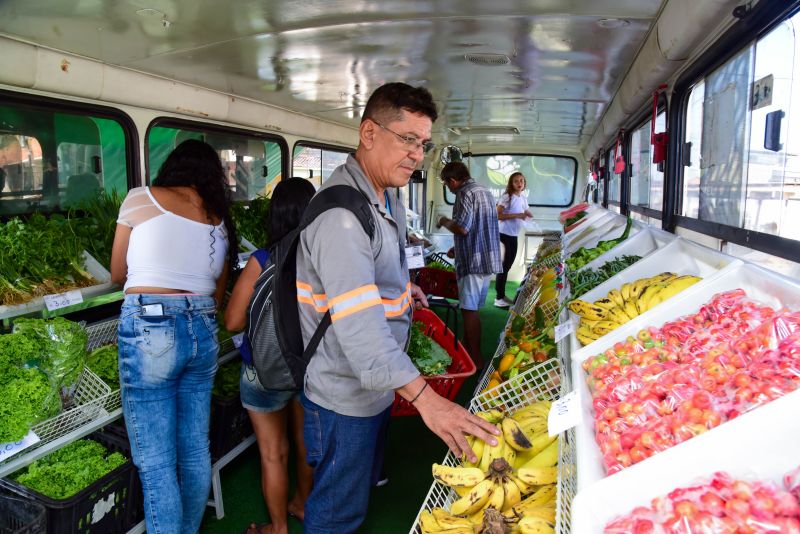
477, 248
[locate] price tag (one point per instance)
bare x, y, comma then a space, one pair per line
7, 450
62, 300
563, 330
238, 339
415, 257
565, 413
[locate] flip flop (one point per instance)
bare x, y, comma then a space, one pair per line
257, 527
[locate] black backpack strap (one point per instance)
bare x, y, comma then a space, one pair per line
336, 196
341, 196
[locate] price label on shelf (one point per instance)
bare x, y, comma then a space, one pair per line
238, 339
563, 330
62, 300
7, 450
565, 413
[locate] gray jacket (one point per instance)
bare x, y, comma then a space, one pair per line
360, 361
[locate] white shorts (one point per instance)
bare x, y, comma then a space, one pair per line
472, 291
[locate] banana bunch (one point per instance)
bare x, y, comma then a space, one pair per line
512, 482
621, 305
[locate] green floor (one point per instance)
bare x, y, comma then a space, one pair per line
411, 450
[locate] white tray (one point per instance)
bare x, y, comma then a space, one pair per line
680, 256
92, 266
640, 244
761, 444
592, 219
610, 229
760, 284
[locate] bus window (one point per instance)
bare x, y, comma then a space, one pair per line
253, 164
551, 179
647, 182
53, 161
316, 163
614, 180
742, 131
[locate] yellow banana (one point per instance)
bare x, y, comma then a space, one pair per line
448, 522
626, 291
630, 310
605, 303
540, 443
538, 476
585, 336
524, 489
428, 523
587, 310
497, 497
532, 427
475, 500
461, 491
543, 496
509, 454
491, 453
534, 525
514, 435
494, 415
547, 458
541, 408
546, 512
616, 297
511, 494
673, 288
457, 476
477, 447
604, 327
618, 315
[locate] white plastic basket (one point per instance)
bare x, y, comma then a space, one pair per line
760, 284
679, 256
761, 444
608, 227
640, 244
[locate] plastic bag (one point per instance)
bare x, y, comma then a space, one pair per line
65, 350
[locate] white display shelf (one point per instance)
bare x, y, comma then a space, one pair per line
610, 229
91, 265
760, 284
760, 444
680, 256
640, 244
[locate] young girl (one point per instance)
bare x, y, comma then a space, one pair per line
512, 209
271, 410
173, 247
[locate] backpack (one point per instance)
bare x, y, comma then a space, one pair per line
273, 325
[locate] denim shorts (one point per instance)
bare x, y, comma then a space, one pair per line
258, 399
472, 291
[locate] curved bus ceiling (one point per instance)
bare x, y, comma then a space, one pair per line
551, 69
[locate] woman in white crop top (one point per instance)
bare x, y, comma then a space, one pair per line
174, 245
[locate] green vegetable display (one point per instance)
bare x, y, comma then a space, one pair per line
226, 383
18, 350
575, 218
64, 342
584, 255
40, 256
428, 356
104, 362
26, 397
587, 279
95, 222
251, 220
67, 471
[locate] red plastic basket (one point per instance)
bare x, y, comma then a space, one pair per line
437, 282
448, 384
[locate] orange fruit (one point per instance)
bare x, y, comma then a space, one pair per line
505, 363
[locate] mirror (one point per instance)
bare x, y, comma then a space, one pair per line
451, 153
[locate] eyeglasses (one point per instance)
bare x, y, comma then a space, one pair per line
411, 142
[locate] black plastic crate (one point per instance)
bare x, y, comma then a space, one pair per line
136, 506
105, 506
230, 425
20, 516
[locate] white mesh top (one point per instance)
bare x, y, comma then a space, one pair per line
168, 250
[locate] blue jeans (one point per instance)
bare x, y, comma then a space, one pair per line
167, 360
341, 450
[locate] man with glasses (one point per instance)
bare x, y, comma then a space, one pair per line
364, 283
477, 248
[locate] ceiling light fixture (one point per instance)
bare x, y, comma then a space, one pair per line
612, 23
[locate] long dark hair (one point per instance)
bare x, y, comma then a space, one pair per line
289, 200
509, 187
196, 164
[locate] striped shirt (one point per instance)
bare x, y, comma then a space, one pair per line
478, 252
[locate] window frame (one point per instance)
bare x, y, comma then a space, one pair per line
756, 24
322, 146
197, 126
482, 155
56, 105
637, 125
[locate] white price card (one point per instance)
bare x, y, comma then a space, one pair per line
563, 330
238, 339
565, 413
62, 300
415, 257
7, 450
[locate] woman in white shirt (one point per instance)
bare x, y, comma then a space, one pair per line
173, 247
512, 209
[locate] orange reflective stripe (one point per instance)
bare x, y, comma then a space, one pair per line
355, 308
399, 299
395, 313
305, 296
353, 293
